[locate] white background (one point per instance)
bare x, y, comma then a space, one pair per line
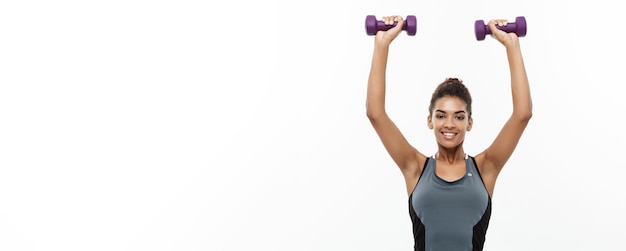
240, 125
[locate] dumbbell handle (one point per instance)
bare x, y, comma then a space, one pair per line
510, 27
381, 26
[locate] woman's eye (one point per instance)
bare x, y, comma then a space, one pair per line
460, 117
440, 116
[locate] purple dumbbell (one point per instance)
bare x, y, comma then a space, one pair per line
518, 27
372, 25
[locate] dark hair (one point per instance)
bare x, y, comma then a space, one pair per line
451, 87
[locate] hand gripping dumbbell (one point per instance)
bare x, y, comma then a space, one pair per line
372, 25
518, 27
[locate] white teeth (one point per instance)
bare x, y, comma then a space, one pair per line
448, 134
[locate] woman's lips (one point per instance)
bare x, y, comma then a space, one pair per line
448, 135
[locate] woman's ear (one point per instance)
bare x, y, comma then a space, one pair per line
470, 121
429, 120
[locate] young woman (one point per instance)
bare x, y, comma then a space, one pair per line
449, 192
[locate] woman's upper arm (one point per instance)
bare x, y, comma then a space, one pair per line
403, 154
499, 152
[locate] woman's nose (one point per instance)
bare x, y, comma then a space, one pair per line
448, 123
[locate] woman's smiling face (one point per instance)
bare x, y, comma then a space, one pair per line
450, 120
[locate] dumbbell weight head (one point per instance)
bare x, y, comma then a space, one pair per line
373, 25
518, 27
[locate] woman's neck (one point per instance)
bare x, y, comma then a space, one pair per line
450, 155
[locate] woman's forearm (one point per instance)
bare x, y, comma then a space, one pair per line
375, 104
522, 102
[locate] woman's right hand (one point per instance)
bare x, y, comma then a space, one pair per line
385, 37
